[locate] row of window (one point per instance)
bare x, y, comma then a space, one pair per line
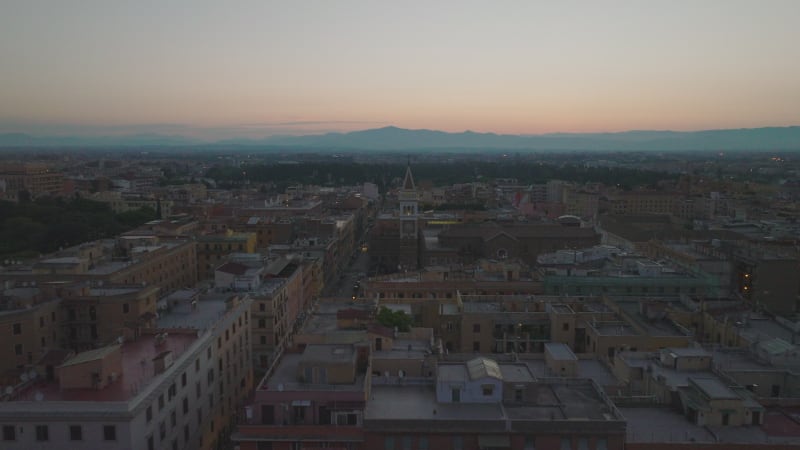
43, 432
457, 443
16, 328
628, 289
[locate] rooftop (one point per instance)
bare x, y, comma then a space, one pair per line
560, 351
419, 403
614, 329
574, 400
198, 315
137, 371
285, 378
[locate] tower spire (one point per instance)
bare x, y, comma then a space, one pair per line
408, 181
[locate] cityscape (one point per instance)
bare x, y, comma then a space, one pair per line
372, 226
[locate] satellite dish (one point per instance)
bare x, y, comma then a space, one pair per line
38, 396
24, 377
32, 375
280, 387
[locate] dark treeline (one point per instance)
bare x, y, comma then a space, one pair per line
47, 224
440, 174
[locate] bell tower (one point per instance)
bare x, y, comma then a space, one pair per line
408, 206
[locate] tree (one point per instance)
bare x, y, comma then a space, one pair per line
392, 319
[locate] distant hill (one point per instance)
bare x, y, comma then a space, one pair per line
400, 139
393, 138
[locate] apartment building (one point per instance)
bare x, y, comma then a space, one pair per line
30, 324
99, 315
36, 179
313, 399
482, 404
214, 249
168, 264
174, 386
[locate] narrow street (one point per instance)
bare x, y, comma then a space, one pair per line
355, 271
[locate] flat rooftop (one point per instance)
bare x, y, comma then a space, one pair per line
137, 372
405, 349
419, 403
553, 401
652, 424
199, 316
285, 378
560, 351
663, 425
105, 268
615, 329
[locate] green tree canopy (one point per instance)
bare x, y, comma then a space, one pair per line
392, 319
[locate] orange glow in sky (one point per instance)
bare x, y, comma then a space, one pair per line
285, 67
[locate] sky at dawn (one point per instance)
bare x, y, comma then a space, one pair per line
218, 69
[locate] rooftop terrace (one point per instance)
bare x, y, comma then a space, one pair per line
137, 372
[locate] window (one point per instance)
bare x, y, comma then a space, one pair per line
208, 353
75, 433
109, 432
186, 433
601, 444
196, 365
17, 328
162, 430
126, 308
423, 443
388, 443
161, 402
487, 389
9, 433
565, 326
458, 443
149, 414
172, 392
476, 328
566, 443
150, 445
42, 433
583, 444
185, 405
174, 444
530, 443
476, 346
183, 379
406, 442
518, 394
197, 389
18, 349
263, 340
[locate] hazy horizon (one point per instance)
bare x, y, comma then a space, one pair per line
250, 69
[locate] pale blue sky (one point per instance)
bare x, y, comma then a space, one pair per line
216, 68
